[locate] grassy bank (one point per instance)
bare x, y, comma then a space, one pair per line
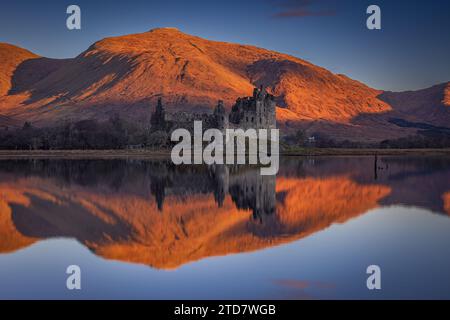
157, 154
363, 152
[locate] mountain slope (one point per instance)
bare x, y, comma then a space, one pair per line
428, 105
127, 74
10, 58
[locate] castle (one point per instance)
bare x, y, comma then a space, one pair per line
256, 112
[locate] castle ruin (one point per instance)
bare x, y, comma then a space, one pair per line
256, 112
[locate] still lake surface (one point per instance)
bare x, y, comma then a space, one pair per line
151, 230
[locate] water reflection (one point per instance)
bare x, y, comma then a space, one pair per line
161, 215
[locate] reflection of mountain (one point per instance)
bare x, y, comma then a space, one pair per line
446, 199
414, 181
165, 216
11, 238
419, 182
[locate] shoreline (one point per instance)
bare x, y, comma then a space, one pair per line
161, 154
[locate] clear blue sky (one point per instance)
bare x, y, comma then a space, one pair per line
410, 52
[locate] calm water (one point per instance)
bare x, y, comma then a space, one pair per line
148, 229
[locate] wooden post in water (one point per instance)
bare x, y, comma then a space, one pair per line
375, 167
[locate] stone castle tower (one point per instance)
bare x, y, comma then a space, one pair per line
257, 112
220, 116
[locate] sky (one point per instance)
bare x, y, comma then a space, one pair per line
411, 51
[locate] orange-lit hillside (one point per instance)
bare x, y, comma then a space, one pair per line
10, 58
191, 73
127, 74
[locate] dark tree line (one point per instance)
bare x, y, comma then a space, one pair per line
114, 133
423, 139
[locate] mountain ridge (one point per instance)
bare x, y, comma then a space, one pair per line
126, 75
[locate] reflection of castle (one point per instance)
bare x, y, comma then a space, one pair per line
221, 177
258, 112
248, 189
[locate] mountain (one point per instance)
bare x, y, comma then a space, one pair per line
430, 105
127, 74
